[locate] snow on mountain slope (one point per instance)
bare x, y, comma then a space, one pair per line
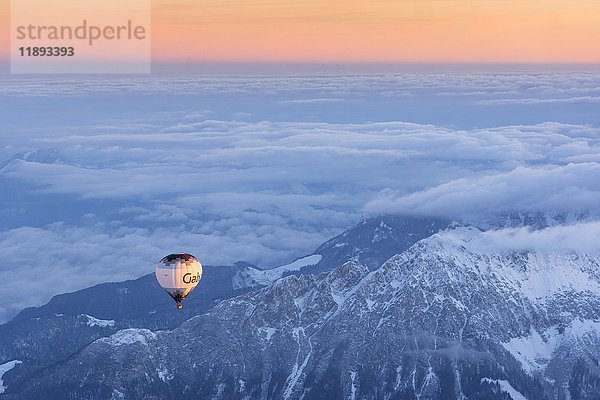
505, 386
251, 277
442, 320
103, 323
4, 368
129, 336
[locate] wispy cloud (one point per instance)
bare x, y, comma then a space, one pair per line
578, 237
313, 101
566, 100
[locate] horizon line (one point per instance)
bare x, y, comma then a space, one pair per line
242, 68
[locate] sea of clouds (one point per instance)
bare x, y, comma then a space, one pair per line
265, 169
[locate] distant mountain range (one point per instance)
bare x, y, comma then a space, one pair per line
394, 308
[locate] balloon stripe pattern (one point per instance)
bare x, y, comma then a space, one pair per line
179, 274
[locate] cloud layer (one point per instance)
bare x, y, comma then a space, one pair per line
230, 178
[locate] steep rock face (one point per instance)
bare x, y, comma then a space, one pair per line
443, 320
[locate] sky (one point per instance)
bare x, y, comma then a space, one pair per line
554, 31
351, 31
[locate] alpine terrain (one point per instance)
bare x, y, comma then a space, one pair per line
395, 308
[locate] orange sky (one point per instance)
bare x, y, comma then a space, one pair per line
559, 31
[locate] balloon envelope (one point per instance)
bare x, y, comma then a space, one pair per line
179, 274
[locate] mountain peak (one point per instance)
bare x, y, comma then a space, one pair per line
43, 156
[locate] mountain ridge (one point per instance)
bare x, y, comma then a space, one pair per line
36, 335
435, 321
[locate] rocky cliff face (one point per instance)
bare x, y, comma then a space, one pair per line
445, 319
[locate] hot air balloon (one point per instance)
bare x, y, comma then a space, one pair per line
179, 274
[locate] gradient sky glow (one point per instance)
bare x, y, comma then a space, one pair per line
480, 31
378, 31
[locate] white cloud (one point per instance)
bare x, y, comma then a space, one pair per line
572, 188
581, 238
565, 100
327, 86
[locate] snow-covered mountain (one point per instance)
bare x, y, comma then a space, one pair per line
38, 334
44, 156
371, 242
453, 317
